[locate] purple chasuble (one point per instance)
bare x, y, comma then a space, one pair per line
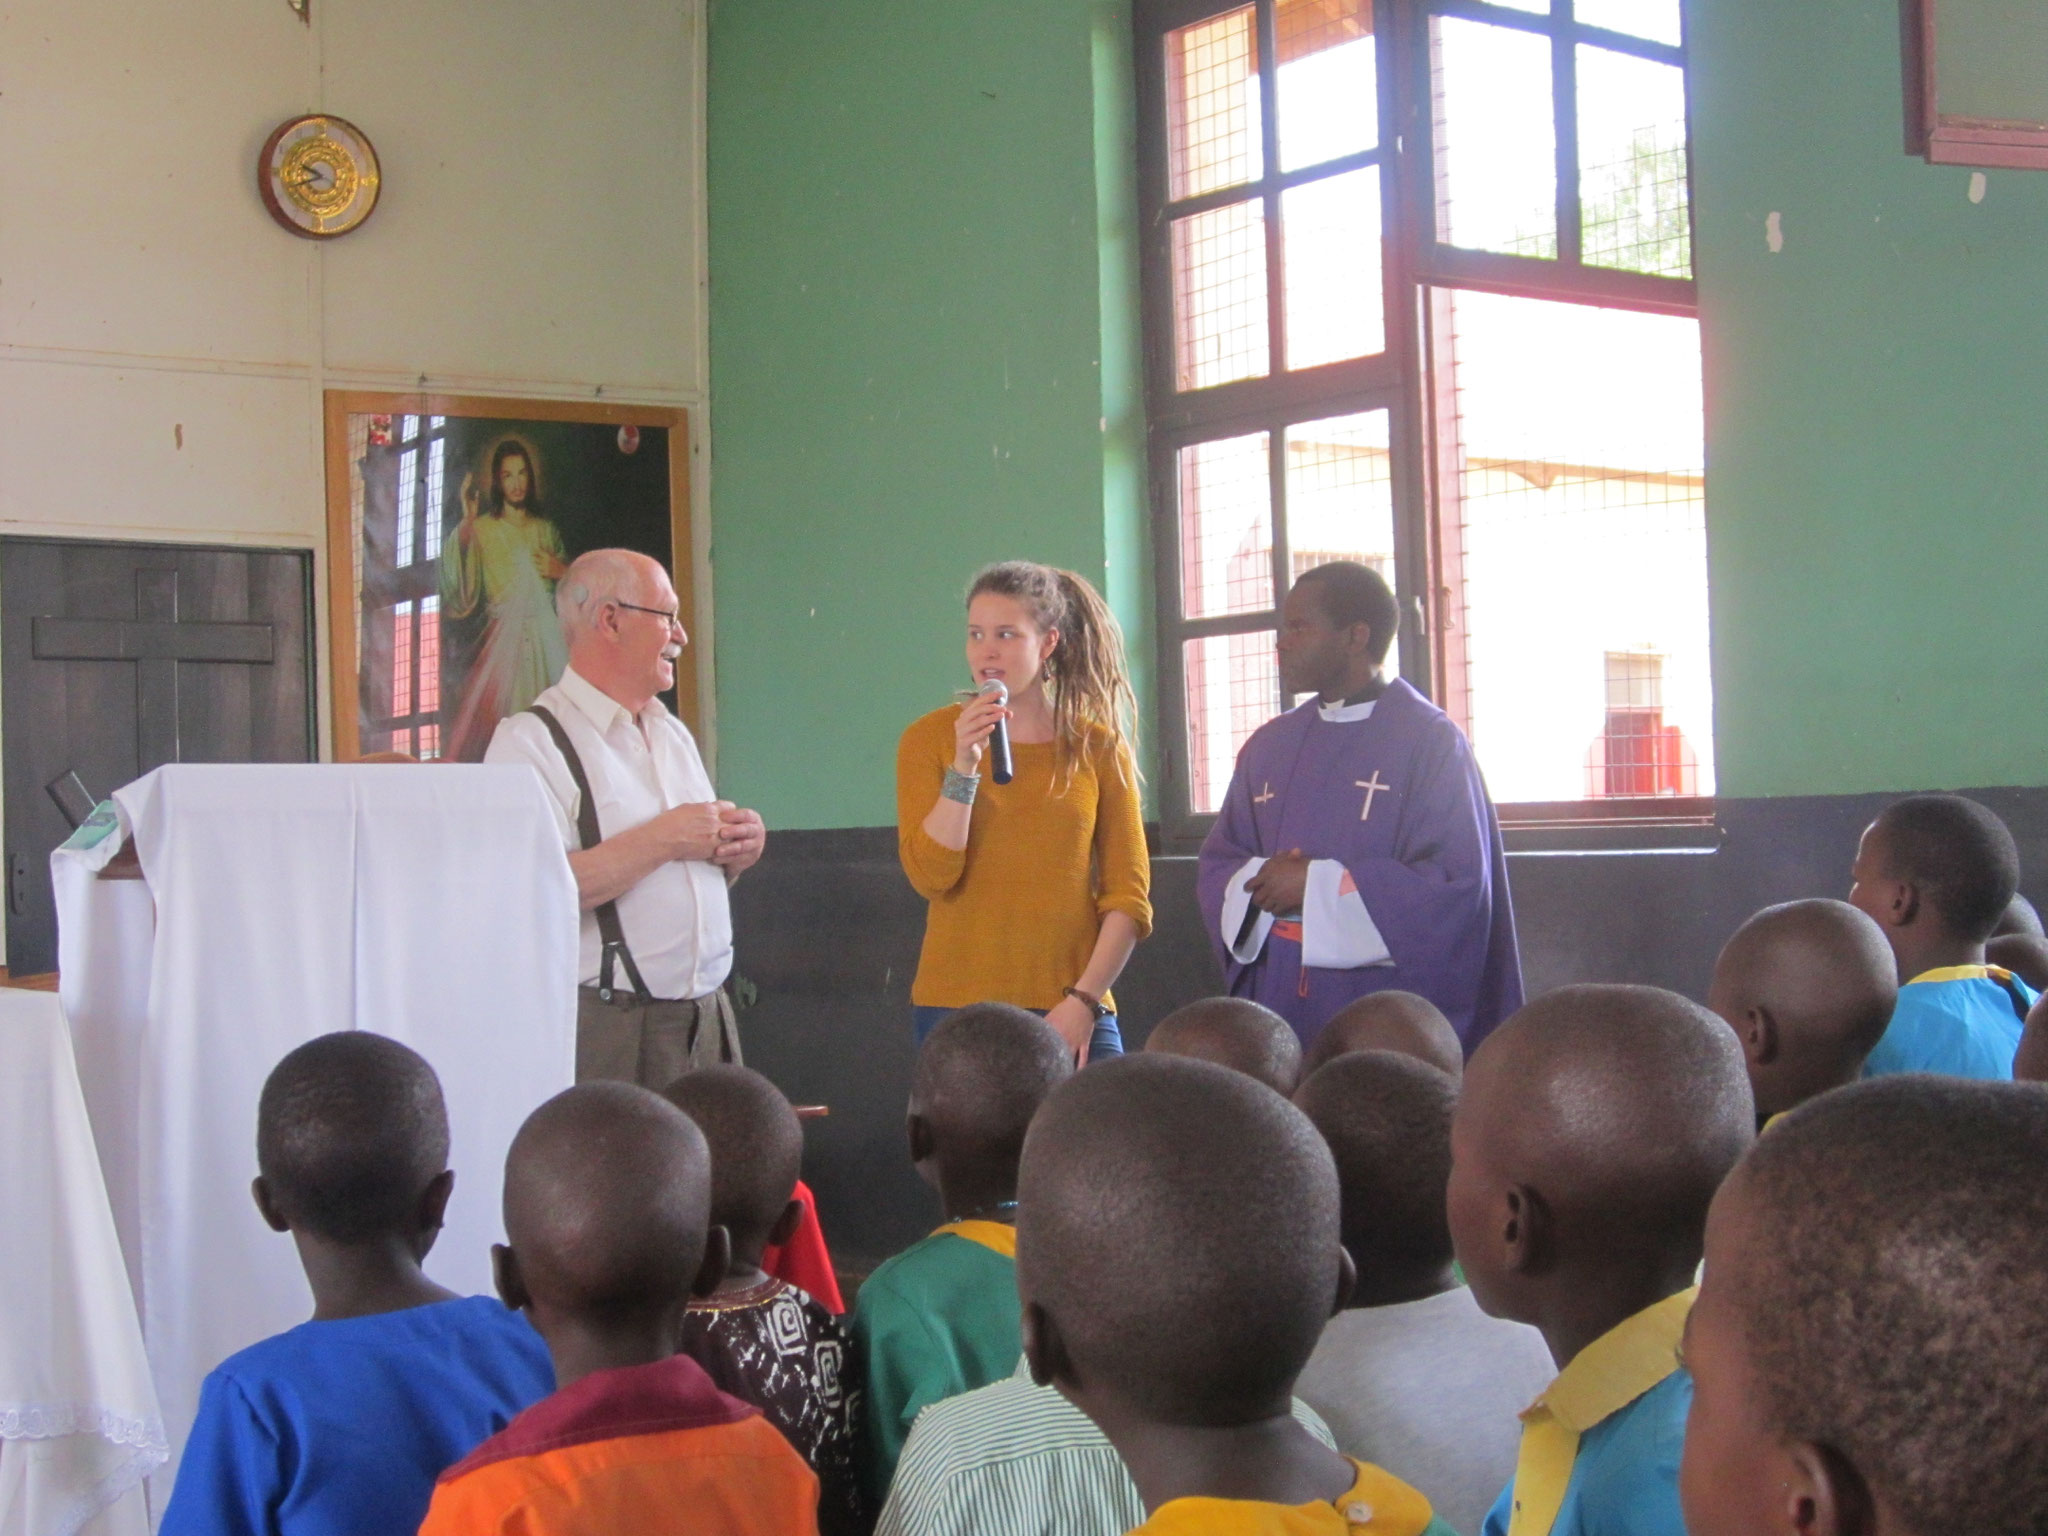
1426, 857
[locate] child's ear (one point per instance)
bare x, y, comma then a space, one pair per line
1826, 1496
1044, 1350
511, 1285
786, 1224
433, 1210
1760, 1037
1526, 1231
922, 1142
266, 1204
1904, 907
1347, 1280
717, 1260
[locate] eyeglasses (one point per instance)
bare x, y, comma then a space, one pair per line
666, 615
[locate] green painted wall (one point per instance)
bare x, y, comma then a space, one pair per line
924, 358
1877, 459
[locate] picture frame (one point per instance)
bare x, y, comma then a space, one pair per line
449, 517
1973, 94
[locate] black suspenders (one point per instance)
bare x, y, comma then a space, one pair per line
608, 927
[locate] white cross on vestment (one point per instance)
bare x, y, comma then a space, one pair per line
1263, 798
1371, 787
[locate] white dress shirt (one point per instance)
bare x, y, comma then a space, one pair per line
676, 921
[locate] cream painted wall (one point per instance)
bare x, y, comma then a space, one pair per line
164, 345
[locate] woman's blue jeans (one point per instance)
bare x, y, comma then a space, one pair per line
1107, 1040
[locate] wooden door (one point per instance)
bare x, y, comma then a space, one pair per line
116, 658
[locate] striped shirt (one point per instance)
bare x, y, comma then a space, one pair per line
1014, 1459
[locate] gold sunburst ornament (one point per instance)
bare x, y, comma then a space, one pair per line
318, 176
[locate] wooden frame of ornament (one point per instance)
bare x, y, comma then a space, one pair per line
1945, 138
342, 596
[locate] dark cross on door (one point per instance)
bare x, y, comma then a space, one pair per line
156, 640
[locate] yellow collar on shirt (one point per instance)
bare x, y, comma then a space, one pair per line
1997, 973
1376, 1504
996, 1235
1603, 1378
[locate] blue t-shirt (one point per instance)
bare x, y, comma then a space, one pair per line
1964, 1027
340, 1428
1625, 1479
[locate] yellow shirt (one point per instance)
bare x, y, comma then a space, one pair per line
1377, 1504
1014, 915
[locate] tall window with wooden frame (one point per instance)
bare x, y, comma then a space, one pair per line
1419, 293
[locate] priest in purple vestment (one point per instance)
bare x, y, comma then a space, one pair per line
1356, 850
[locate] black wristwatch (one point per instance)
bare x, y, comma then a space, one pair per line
1096, 1005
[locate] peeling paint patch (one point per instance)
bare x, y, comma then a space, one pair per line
1978, 186
1774, 233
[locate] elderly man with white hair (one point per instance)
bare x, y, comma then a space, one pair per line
652, 846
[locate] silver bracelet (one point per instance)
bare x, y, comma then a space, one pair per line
960, 786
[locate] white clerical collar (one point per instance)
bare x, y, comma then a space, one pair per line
1344, 714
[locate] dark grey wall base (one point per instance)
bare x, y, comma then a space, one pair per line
829, 931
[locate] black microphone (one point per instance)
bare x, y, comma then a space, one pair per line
1000, 768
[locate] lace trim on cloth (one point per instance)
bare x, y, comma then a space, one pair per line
54, 1421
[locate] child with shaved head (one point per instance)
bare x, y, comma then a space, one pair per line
1178, 1255
940, 1318
1411, 1374
1233, 1032
1389, 1021
342, 1424
1867, 1342
1938, 872
759, 1338
1808, 988
607, 1225
1592, 1131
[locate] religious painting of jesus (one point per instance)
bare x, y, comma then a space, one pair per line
450, 519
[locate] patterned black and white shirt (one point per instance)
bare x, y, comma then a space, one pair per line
772, 1345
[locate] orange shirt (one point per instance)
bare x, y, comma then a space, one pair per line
648, 1449
1014, 915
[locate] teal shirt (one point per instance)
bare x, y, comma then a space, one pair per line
1963, 1027
1625, 1479
939, 1319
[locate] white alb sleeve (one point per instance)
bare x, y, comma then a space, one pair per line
1337, 933
1244, 943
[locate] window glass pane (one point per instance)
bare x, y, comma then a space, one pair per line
1226, 527
1212, 104
437, 454
1328, 82
1654, 19
1496, 138
1330, 246
1632, 191
1233, 688
408, 498
1340, 497
1579, 549
401, 661
1219, 295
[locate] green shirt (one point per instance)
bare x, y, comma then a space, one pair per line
939, 1319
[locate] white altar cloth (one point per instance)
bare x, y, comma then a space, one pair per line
79, 1426
431, 904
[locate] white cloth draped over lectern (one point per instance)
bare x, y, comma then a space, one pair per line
79, 1426
431, 904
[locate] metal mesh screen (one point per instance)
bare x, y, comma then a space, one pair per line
1579, 507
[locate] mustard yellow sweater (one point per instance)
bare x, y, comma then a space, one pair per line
1014, 915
